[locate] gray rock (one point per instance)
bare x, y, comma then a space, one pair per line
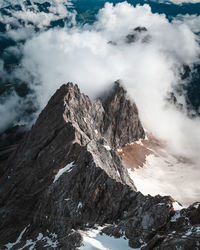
66, 176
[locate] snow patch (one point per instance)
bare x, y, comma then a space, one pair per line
176, 216
197, 229
196, 205
68, 168
139, 142
107, 147
49, 242
80, 205
54, 236
165, 174
94, 239
161, 204
11, 245
188, 233
176, 206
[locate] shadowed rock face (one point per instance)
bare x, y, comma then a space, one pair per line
121, 121
138, 34
65, 175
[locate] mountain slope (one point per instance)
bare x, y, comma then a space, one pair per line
65, 176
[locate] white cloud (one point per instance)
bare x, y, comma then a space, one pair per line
20, 34
33, 17
178, 2
8, 111
192, 21
4, 3
148, 70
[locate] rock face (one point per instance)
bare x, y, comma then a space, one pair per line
66, 176
134, 35
138, 34
121, 122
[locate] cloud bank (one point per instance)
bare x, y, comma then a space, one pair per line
31, 16
5, 3
148, 69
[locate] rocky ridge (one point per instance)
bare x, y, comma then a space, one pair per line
65, 176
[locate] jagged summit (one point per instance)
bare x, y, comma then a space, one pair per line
121, 123
65, 176
70, 127
114, 117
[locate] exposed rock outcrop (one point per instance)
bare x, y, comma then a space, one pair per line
65, 176
138, 34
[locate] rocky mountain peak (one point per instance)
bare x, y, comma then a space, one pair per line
65, 177
121, 120
113, 118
